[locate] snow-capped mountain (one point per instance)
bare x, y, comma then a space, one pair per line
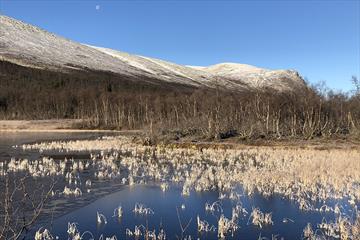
30, 46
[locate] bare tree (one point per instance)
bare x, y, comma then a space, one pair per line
21, 205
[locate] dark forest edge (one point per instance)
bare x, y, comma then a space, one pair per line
171, 112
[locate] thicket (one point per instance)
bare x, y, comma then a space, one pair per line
104, 100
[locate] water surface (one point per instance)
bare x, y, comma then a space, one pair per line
106, 195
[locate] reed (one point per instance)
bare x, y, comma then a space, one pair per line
305, 176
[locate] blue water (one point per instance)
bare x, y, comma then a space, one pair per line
108, 195
165, 203
9, 139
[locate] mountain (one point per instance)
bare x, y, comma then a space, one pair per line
32, 47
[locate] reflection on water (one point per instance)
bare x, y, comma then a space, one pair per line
9, 139
164, 205
57, 206
107, 194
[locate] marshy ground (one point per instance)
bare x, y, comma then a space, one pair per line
191, 190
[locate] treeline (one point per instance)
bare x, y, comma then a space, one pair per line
249, 115
104, 100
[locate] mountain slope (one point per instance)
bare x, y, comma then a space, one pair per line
30, 46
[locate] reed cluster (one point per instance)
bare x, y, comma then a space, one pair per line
311, 178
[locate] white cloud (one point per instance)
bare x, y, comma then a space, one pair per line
97, 7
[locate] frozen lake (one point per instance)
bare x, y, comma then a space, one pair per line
169, 206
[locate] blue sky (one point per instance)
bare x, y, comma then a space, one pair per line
320, 39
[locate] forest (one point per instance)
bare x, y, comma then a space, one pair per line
108, 101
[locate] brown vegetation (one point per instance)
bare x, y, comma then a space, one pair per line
105, 100
315, 180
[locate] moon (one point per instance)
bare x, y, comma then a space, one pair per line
97, 7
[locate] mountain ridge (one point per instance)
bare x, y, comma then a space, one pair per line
31, 46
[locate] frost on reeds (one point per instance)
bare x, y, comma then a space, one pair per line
142, 209
43, 234
137, 231
226, 225
260, 219
141, 230
100, 218
37, 168
72, 192
213, 207
107, 238
356, 227
238, 211
72, 229
103, 144
342, 227
302, 175
339, 229
164, 186
118, 212
204, 226
305, 176
308, 232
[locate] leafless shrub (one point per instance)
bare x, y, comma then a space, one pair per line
21, 205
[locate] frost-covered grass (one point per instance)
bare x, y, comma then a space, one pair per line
305, 176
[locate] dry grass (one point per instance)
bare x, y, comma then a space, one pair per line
306, 176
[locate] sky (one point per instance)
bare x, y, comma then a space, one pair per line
320, 39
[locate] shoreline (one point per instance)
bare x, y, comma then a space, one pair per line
51, 125
271, 144
69, 126
274, 153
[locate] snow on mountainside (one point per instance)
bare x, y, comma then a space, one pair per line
31, 46
255, 77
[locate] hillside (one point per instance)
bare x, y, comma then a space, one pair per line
30, 46
44, 76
